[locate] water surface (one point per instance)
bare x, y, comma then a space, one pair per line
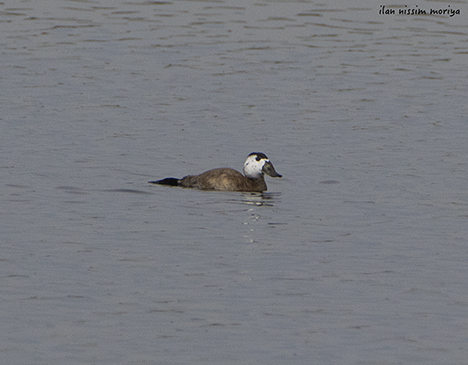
358, 255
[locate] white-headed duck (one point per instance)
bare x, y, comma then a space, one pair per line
226, 179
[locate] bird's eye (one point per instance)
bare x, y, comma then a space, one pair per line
258, 158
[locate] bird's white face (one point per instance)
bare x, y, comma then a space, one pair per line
257, 164
253, 166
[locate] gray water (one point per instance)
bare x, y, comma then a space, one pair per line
358, 255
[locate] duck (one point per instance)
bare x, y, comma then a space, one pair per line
226, 179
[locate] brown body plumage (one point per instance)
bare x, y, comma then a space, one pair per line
224, 179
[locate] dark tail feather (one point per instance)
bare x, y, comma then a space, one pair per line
172, 181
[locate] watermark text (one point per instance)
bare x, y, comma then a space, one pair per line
416, 10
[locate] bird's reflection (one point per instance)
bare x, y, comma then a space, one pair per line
260, 199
